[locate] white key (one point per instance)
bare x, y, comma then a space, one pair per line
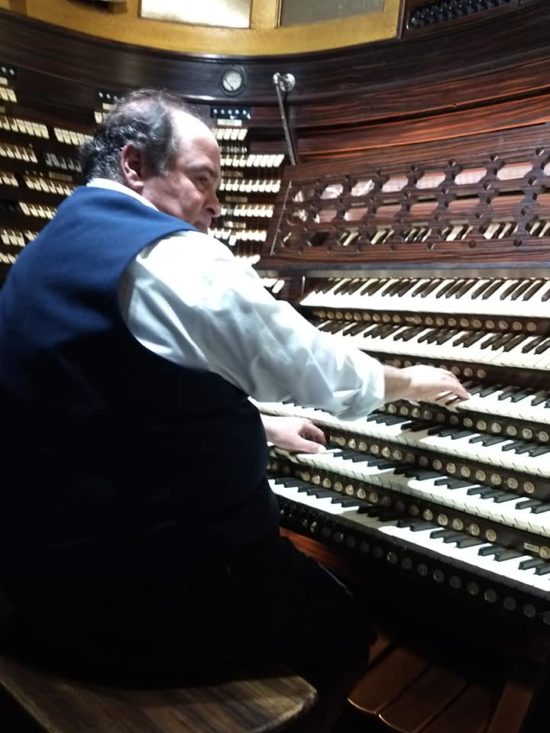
435, 301
507, 569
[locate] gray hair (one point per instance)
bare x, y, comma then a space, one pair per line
144, 119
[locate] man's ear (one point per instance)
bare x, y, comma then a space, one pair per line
132, 167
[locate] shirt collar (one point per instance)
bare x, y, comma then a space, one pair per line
120, 187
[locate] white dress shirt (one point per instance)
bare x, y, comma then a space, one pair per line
188, 299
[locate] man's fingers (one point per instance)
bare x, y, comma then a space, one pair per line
314, 433
309, 446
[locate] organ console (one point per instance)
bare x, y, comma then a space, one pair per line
418, 228
436, 254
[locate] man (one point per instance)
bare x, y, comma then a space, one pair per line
139, 533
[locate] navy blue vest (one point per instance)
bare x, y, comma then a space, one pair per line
119, 456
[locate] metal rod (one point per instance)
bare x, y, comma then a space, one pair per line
285, 83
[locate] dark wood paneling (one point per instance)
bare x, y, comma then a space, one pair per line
461, 52
476, 120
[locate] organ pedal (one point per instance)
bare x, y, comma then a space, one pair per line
408, 690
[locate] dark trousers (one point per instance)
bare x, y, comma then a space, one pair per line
266, 605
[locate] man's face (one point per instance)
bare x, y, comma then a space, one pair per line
188, 187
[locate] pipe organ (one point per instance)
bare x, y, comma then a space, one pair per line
417, 227
434, 254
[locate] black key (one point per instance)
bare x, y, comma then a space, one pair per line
515, 341
452, 538
416, 473
532, 344
405, 286
532, 562
385, 464
418, 525
538, 399
455, 288
505, 496
445, 288
467, 541
507, 392
468, 285
521, 395
341, 288
495, 285
318, 493
544, 346
452, 483
429, 335
528, 504
488, 551
370, 510
540, 450
473, 389
355, 329
437, 533
502, 341
485, 492
509, 290
375, 286
541, 509
414, 332
489, 389
481, 289
346, 503
457, 434
446, 336
421, 288
490, 340
325, 286
525, 448
414, 426
291, 482
507, 553
487, 440
521, 290
388, 290
431, 287
536, 286
468, 339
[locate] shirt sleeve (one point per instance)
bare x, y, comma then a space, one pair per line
189, 300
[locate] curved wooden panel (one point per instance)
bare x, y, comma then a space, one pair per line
122, 23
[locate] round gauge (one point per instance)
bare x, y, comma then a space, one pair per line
233, 80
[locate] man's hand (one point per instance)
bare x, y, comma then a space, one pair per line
421, 382
294, 433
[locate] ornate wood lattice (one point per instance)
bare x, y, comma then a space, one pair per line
473, 200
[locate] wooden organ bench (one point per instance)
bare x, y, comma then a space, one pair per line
57, 705
34, 700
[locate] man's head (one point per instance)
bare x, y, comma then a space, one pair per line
154, 144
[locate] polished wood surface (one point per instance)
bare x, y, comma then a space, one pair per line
413, 194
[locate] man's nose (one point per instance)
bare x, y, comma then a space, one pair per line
213, 207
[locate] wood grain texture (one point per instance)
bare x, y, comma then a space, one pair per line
63, 706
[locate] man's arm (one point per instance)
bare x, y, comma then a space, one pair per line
189, 300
